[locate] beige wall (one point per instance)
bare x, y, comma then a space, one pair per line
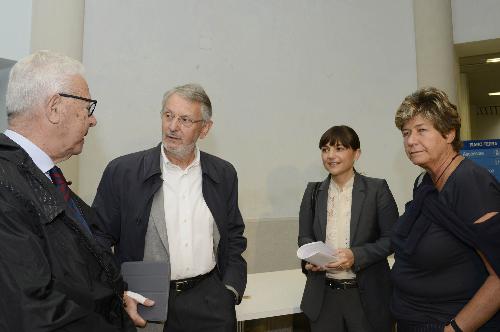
436, 60
272, 245
486, 122
57, 25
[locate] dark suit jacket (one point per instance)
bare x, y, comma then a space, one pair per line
59, 279
373, 214
123, 204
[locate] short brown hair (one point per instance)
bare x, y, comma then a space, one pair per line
340, 134
434, 105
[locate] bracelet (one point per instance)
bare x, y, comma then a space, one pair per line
454, 324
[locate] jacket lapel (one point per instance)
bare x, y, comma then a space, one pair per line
322, 204
50, 204
210, 183
358, 197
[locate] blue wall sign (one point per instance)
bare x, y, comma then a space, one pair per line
485, 153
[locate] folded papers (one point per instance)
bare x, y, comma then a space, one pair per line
317, 253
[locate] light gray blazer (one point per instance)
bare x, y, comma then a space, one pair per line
156, 240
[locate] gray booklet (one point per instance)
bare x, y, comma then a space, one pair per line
151, 280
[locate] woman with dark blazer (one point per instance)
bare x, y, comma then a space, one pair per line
353, 214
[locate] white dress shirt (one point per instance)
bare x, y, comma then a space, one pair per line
338, 226
188, 219
39, 157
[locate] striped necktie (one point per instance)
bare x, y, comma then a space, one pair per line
61, 184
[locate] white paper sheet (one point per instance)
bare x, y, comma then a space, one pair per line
317, 253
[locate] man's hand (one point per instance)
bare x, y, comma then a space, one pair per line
131, 300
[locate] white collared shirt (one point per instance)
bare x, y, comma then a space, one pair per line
338, 226
188, 219
39, 157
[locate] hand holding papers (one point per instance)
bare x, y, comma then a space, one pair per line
317, 253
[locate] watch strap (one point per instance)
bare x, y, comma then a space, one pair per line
454, 324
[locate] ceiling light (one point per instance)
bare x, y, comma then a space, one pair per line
492, 60
494, 93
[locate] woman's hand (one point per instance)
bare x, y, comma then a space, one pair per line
314, 268
448, 328
345, 260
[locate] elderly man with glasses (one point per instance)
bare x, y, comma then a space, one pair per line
178, 204
55, 276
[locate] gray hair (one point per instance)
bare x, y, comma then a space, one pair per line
36, 77
432, 104
194, 93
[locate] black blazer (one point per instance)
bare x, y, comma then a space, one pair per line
373, 214
58, 278
123, 204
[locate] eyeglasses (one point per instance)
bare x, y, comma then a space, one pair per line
90, 108
182, 119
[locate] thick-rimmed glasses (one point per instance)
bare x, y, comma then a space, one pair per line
182, 119
90, 108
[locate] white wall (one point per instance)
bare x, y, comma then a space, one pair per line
15, 28
279, 73
15, 35
475, 20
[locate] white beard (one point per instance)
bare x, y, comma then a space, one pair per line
181, 152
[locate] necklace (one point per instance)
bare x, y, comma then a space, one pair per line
444, 170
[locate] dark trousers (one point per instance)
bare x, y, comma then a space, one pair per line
209, 306
341, 312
